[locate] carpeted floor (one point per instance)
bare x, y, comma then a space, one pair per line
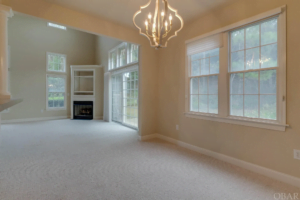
93, 160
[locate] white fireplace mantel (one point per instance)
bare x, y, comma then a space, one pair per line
78, 94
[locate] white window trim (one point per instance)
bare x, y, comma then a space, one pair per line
65, 104
115, 49
52, 71
224, 114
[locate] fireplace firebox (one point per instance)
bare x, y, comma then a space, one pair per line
83, 110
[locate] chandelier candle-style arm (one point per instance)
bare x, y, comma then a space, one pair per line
159, 26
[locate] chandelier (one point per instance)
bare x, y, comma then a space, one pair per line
160, 27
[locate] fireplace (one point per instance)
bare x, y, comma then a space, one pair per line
83, 110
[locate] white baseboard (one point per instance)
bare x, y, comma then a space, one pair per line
13, 121
246, 165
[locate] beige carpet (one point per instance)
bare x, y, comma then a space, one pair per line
92, 160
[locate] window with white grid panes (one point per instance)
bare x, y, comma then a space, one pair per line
122, 50
130, 98
133, 51
56, 62
113, 60
56, 91
253, 70
123, 55
117, 98
204, 70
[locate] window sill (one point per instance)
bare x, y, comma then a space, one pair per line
265, 124
55, 109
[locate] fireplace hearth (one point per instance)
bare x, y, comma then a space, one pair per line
83, 110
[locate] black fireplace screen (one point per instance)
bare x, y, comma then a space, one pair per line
83, 110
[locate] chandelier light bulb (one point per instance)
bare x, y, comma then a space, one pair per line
162, 13
170, 17
146, 23
149, 16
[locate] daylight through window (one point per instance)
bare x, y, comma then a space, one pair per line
253, 71
204, 81
56, 91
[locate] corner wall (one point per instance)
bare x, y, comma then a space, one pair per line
267, 148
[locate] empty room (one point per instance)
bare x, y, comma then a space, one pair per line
149, 99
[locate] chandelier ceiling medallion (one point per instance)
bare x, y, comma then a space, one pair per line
160, 27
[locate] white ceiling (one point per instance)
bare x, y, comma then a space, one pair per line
121, 11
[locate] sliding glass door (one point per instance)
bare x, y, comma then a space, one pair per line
125, 98
117, 98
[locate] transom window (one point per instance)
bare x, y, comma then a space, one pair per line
113, 59
204, 70
56, 62
122, 55
56, 92
133, 53
253, 71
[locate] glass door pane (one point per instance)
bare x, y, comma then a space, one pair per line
125, 98
130, 100
117, 98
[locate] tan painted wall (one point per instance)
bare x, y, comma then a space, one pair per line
29, 39
104, 45
96, 25
271, 149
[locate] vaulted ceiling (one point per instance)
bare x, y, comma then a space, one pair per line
121, 11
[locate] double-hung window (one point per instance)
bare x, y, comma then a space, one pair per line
56, 81
238, 74
204, 81
56, 92
253, 70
